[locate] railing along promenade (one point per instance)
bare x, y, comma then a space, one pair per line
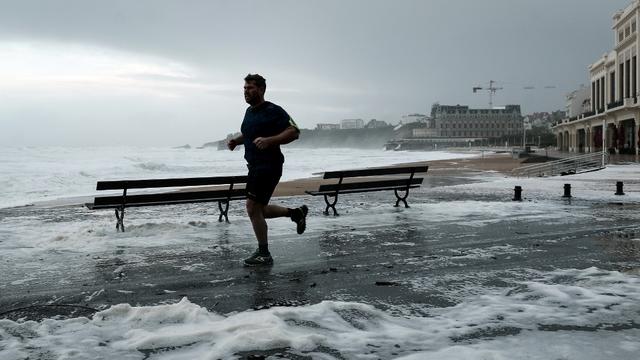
565, 166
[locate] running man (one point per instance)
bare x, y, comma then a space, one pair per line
265, 127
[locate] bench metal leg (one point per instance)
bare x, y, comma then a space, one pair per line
331, 205
120, 219
401, 198
223, 211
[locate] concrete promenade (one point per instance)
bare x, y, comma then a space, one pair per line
453, 236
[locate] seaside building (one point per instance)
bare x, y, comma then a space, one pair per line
578, 102
545, 119
352, 124
376, 124
610, 117
423, 132
327, 126
459, 126
414, 118
461, 121
407, 131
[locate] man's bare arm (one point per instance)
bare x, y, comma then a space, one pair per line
288, 135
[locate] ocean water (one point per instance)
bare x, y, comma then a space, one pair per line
30, 175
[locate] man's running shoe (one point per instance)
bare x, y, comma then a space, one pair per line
258, 259
299, 217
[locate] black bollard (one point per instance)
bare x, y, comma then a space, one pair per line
567, 191
517, 193
619, 186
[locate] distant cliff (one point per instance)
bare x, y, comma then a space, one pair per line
353, 138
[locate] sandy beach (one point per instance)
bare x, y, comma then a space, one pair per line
502, 163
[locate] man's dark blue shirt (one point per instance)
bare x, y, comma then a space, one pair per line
264, 120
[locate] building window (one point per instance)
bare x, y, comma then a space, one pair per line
593, 95
621, 80
612, 97
633, 27
627, 31
634, 81
627, 82
620, 36
602, 90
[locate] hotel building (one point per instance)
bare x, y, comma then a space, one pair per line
607, 111
461, 121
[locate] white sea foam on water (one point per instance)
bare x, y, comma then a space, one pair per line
36, 174
593, 186
563, 314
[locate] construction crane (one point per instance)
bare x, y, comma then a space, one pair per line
491, 89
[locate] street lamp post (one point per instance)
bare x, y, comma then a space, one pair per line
524, 134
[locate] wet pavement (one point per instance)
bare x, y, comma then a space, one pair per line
445, 247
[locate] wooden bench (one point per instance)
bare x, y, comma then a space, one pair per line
181, 196
408, 181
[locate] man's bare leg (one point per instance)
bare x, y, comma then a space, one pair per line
257, 214
255, 210
297, 215
275, 211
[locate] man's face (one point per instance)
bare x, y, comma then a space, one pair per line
252, 94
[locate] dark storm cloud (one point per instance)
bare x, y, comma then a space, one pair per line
327, 60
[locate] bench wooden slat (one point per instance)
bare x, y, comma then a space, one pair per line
375, 172
91, 206
101, 202
361, 190
364, 185
177, 182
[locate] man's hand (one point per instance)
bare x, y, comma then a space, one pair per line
231, 144
263, 142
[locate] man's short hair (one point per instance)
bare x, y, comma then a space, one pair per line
258, 80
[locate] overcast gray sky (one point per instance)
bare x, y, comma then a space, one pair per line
149, 72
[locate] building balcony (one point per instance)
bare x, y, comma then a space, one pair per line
626, 42
615, 104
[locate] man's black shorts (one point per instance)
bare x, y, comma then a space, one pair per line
262, 182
